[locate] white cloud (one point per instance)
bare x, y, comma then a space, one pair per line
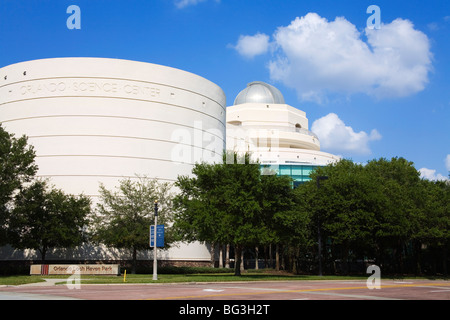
180, 4
447, 162
317, 57
251, 46
335, 136
430, 174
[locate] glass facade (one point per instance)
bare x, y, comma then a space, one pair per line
298, 172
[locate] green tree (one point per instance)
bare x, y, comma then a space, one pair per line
229, 203
243, 216
199, 207
434, 222
366, 211
302, 230
397, 208
279, 222
46, 218
123, 217
17, 167
340, 209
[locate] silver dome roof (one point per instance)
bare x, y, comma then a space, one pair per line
259, 92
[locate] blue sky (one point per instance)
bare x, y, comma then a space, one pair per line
367, 93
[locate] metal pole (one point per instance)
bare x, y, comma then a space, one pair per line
155, 250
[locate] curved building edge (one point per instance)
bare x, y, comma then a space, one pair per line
96, 120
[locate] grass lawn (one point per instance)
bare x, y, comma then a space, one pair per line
220, 277
172, 278
176, 275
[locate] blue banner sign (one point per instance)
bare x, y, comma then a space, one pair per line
159, 235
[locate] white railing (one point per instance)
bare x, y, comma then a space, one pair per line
277, 128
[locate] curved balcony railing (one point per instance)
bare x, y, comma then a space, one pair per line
277, 128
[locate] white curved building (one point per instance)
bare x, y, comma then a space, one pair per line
97, 120
260, 122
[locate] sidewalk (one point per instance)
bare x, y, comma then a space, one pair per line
47, 283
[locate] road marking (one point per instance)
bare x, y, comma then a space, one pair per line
250, 288
302, 290
213, 290
358, 296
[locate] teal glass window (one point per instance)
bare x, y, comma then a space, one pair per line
285, 170
298, 173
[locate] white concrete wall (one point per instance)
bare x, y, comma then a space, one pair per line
258, 114
269, 132
98, 120
95, 120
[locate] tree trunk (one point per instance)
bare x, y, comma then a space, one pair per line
256, 258
418, 257
444, 257
220, 256
277, 258
227, 257
270, 256
237, 260
399, 257
296, 261
43, 252
133, 267
266, 262
345, 263
213, 255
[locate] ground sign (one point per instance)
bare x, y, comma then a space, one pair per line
81, 269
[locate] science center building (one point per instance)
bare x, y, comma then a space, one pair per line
98, 120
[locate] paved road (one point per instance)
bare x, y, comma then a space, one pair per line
286, 290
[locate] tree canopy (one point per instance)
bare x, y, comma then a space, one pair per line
231, 203
17, 167
123, 217
45, 218
381, 212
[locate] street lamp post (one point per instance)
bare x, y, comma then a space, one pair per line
318, 228
155, 250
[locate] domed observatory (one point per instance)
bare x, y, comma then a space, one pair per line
259, 92
275, 133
